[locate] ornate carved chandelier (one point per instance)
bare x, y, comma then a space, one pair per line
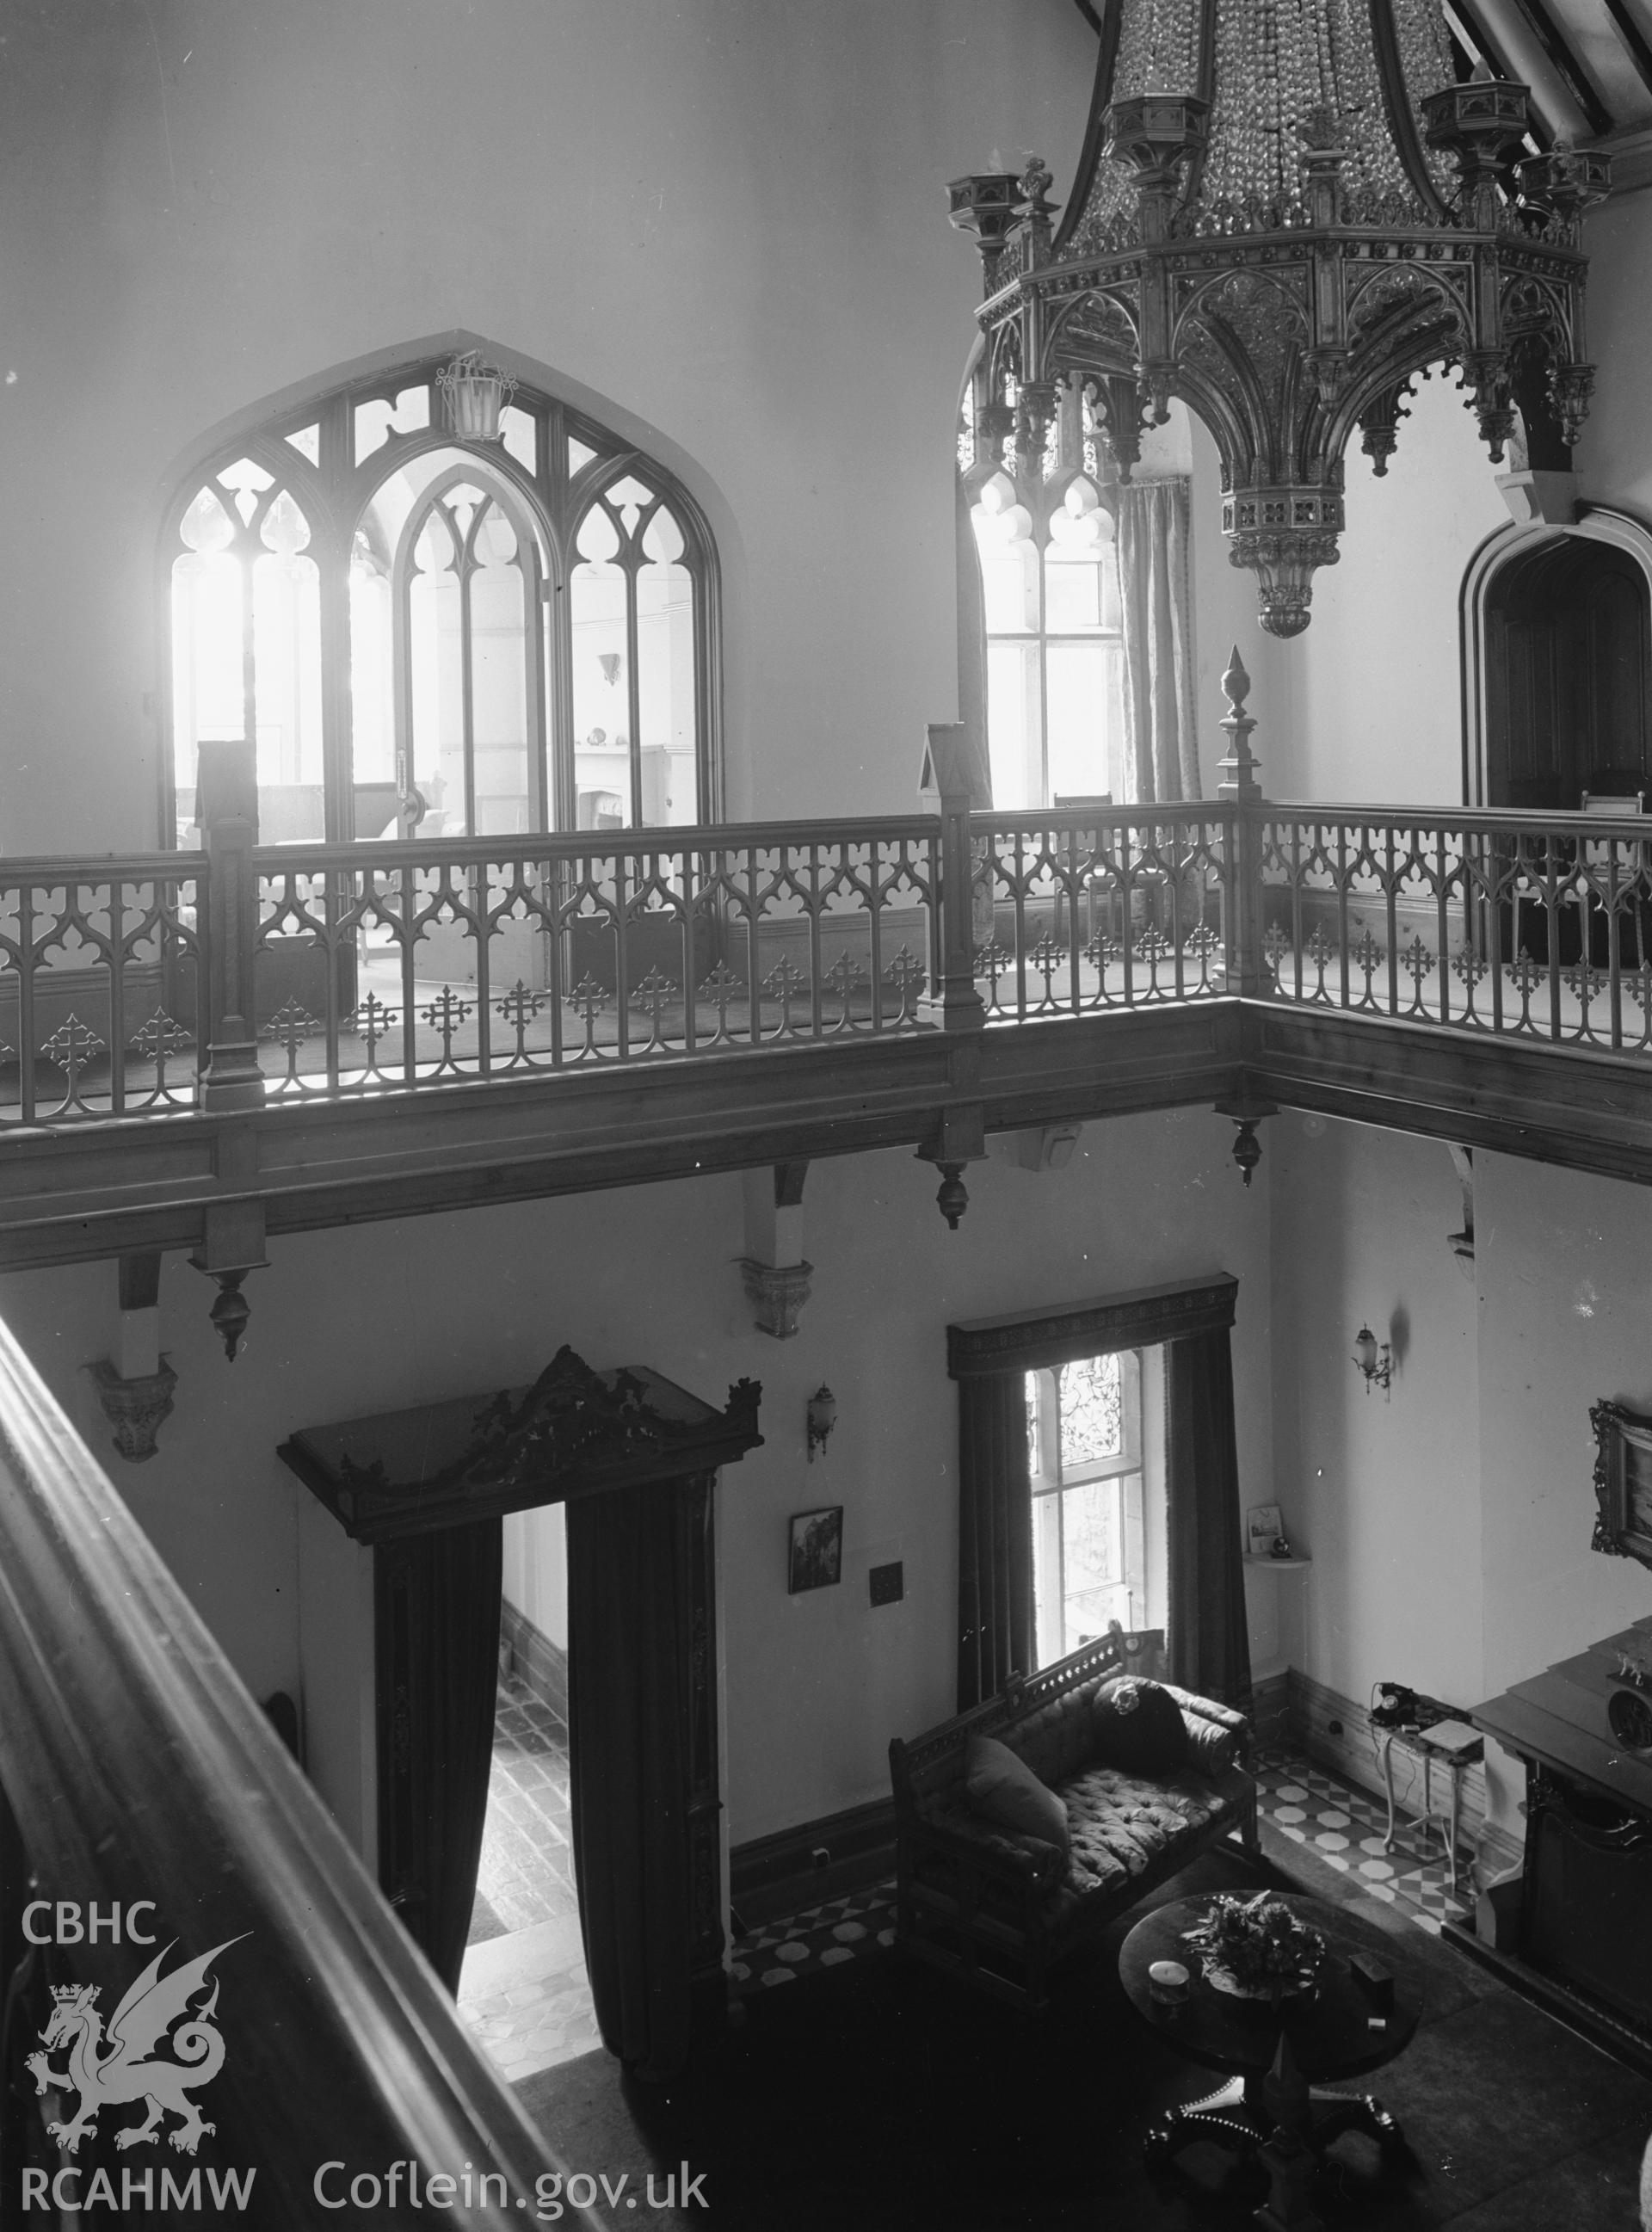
1285, 210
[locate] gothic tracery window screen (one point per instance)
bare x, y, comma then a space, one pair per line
432, 637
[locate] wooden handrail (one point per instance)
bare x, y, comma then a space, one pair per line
591, 844
138, 1769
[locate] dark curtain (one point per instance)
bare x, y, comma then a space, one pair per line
1208, 1642
1159, 666
437, 1601
994, 1535
628, 1742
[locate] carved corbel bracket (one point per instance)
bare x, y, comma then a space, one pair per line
1247, 1113
135, 1408
232, 1246
777, 1292
960, 1137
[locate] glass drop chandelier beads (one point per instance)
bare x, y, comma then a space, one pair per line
1286, 210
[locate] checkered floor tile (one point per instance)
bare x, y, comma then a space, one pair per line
1346, 1827
1305, 1802
820, 1937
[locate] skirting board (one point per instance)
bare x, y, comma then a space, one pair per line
541, 1663
1270, 1709
782, 1873
1351, 1748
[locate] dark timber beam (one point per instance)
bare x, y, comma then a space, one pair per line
1547, 1104
1566, 65
1634, 38
192, 1182
109, 1188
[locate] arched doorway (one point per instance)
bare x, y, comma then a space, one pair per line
1565, 642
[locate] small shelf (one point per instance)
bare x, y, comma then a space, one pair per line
1279, 1565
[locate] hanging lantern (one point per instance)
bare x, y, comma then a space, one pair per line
1288, 209
476, 394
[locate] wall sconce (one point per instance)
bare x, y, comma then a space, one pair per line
1376, 1365
609, 662
822, 1417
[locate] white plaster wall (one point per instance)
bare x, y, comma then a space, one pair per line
349, 1323
1366, 705
1565, 1271
1614, 458
1384, 1496
1449, 1527
727, 217
534, 1575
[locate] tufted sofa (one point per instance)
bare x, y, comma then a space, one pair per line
994, 1909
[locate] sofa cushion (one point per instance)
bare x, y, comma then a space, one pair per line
1058, 1739
1210, 1746
1208, 1709
1138, 1727
1006, 1791
1122, 1825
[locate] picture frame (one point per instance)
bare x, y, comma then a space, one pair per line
816, 1556
1623, 1482
1264, 1524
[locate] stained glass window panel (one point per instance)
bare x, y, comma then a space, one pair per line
1091, 1411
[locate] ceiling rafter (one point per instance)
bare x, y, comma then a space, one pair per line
1566, 65
1475, 36
1634, 38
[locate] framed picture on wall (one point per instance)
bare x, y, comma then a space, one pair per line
817, 1549
1264, 1524
1623, 1482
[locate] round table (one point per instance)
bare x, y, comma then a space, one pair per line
1275, 2108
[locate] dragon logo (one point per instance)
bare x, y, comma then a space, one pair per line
128, 2070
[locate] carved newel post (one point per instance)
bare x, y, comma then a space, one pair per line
227, 810
1247, 970
953, 782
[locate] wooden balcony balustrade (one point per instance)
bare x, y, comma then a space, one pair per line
321, 1032
134, 1767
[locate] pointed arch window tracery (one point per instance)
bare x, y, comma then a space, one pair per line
427, 636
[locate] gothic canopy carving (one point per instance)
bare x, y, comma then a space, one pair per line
573, 1432
1282, 217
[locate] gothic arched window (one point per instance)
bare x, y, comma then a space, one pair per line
1055, 711
428, 632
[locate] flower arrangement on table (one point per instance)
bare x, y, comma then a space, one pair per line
1255, 1947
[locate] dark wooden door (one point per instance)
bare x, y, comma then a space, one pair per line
1568, 677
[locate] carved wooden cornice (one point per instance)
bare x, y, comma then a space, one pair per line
575, 1433
1033, 1340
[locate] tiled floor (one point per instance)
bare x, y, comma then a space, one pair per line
523, 1993
1345, 1826
1305, 1802
527, 1871
817, 1938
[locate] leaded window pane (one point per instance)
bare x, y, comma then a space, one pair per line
517, 657
1091, 1411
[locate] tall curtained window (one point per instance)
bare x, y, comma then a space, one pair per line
990, 1358
1084, 612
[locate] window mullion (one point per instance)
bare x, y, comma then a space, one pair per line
246, 557
631, 561
1040, 549
467, 704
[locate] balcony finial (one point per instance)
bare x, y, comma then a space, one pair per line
1238, 768
1236, 683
